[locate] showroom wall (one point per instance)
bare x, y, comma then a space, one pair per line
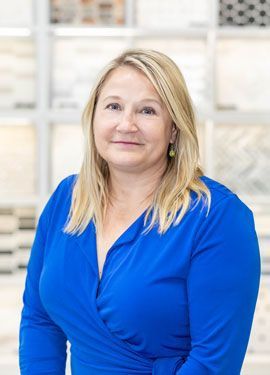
50, 54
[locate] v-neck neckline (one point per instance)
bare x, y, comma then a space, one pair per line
126, 236
87, 241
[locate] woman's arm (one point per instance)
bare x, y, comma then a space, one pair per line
223, 285
42, 344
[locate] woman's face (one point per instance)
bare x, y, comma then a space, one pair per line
132, 127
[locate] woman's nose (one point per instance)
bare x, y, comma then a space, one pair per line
127, 122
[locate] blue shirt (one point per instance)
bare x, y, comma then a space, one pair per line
178, 303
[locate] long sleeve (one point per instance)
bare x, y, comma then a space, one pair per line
222, 289
42, 344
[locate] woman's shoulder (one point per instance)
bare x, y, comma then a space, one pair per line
67, 182
60, 199
222, 194
65, 186
216, 187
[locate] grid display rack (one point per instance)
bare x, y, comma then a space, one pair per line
50, 52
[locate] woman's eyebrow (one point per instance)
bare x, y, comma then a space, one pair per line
141, 101
151, 100
112, 97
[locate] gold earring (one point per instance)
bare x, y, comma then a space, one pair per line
172, 152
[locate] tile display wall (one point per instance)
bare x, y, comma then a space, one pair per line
91, 12
200, 127
78, 61
172, 13
76, 65
16, 12
260, 338
242, 74
238, 65
66, 151
191, 58
241, 157
241, 161
264, 242
17, 229
244, 13
148, 13
17, 71
18, 155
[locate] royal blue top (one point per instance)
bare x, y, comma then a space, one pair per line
178, 303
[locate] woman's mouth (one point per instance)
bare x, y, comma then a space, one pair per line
127, 143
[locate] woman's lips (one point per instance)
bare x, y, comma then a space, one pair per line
127, 143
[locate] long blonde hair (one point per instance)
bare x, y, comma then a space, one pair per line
171, 199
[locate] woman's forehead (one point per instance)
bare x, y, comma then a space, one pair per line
128, 79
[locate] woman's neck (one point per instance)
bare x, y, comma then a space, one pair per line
131, 190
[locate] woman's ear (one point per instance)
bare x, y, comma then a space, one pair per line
173, 133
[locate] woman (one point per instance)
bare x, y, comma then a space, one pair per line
141, 262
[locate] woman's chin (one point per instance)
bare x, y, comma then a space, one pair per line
127, 164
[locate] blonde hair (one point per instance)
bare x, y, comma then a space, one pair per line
90, 194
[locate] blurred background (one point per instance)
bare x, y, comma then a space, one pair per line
50, 53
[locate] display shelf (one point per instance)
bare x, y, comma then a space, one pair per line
241, 117
15, 201
218, 116
10, 116
86, 31
67, 116
247, 32
16, 31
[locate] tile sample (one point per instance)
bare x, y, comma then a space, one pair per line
16, 13
18, 161
241, 160
66, 151
17, 71
242, 74
91, 12
244, 13
77, 63
190, 56
172, 13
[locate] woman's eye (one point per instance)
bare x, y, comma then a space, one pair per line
149, 111
113, 106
